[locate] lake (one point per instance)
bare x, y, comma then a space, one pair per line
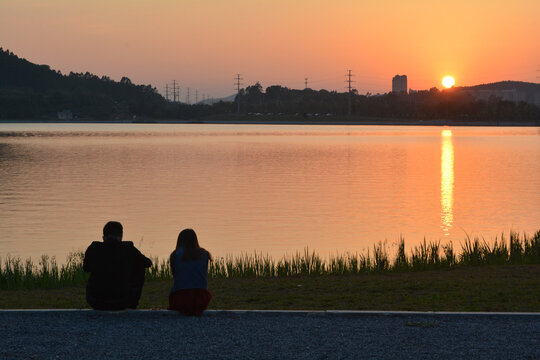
273, 189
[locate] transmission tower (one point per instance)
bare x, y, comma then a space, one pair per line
305, 83
196, 96
349, 87
167, 92
187, 96
238, 83
176, 92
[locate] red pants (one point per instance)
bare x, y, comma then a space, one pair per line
190, 302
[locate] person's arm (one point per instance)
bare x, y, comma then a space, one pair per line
144, 261
139, 259
88, 261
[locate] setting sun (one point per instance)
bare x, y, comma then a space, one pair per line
448, 82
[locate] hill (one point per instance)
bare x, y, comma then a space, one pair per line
35, 91
514, 91
505, 85
211, 101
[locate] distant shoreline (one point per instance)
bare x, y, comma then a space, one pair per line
251, 120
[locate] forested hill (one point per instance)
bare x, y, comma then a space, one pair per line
35, 91
506, 85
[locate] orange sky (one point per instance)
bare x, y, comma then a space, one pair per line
203, 43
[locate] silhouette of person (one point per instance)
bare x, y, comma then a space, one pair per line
189, 266
116, 270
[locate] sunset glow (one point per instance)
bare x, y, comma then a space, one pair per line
203, 44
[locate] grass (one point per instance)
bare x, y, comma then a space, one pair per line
519, 249
467, 288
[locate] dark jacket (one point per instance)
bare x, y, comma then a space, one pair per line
115, 268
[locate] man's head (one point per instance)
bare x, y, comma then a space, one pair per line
113, 231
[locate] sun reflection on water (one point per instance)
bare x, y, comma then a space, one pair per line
447, 181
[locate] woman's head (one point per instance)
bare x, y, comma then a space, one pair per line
187, 240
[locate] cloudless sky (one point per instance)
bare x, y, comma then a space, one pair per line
203, 43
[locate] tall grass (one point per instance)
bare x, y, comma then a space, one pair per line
16, 274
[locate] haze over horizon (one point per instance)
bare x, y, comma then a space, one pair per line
203, 45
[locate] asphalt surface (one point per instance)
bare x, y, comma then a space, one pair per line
88, 334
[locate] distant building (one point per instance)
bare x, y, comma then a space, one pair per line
513, 95
399, 84
65, 115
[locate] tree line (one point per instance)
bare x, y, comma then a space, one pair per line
30, 91
452, 104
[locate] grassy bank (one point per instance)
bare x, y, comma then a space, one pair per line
517, 250
468, 288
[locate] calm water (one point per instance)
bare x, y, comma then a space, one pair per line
274, 189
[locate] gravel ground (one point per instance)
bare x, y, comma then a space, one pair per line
88, 334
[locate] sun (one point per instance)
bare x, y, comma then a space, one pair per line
448, 82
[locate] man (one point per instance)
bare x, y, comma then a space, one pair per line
116, 270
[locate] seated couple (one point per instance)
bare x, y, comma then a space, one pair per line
117, 271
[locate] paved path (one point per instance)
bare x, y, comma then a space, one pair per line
88, 334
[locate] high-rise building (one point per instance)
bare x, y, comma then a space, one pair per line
399, 84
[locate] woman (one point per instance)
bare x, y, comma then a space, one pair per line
189, 265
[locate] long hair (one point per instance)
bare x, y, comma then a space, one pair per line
187, 240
